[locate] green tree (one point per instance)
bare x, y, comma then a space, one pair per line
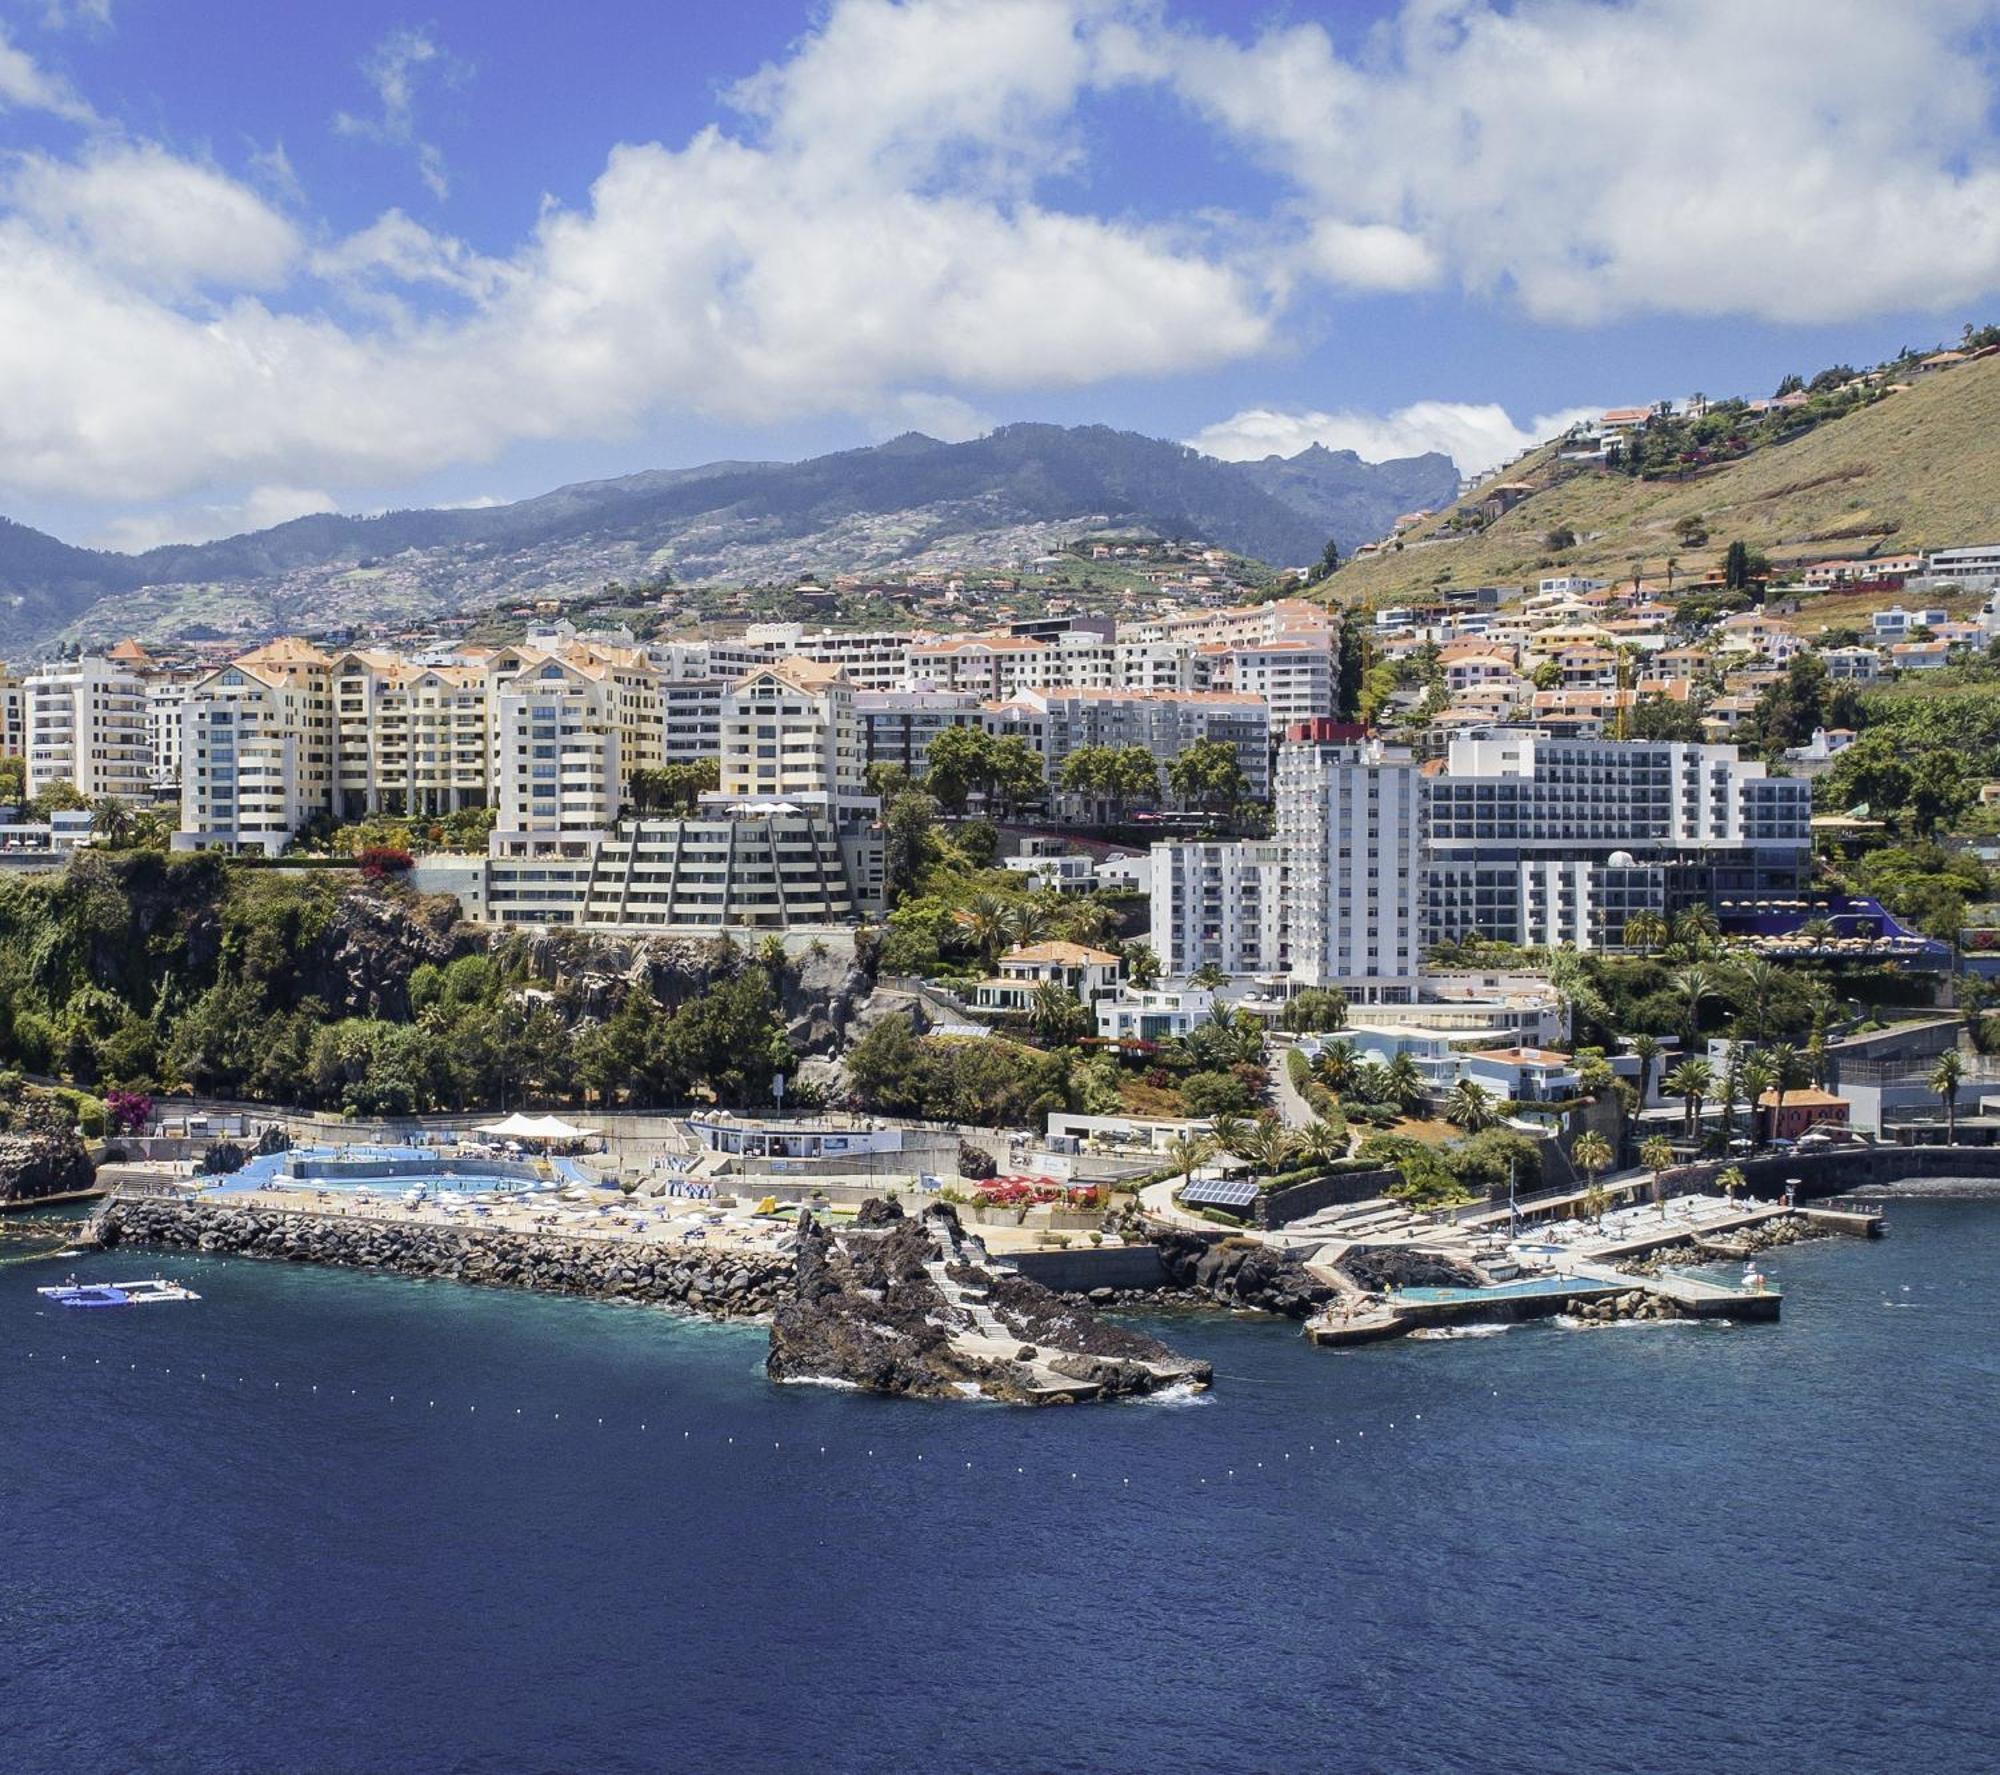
1592, 1154
1691, 1081
1646, 1049
909, 840
1142, 965
1946, 1077
1657, 1155
1471, 1107
1186, 1154
1351, 668
1057, 1016
1207, 774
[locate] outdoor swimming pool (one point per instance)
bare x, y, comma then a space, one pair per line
391, 1170
1540, 1285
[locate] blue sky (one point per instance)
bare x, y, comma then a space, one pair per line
261, 260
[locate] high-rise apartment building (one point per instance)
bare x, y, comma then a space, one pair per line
84, 723
1348, 814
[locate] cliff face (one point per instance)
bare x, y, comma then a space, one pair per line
360, 964
591, 972
915, 1307
34, 1166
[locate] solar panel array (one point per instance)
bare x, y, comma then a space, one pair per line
1221, 1192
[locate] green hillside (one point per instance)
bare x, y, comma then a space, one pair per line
1918, 469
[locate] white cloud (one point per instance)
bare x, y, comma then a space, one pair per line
870, 233
1475, 437
91, 15
26, 86
1797, 160
395, 68
138, 531
941, 416
140, 212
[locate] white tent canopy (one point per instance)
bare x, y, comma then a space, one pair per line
524, 1127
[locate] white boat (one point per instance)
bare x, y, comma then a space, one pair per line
115, 1294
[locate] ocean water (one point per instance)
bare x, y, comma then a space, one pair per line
327, 1522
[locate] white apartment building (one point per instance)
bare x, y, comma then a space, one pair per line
1349, 818
731, 869
257, 749
165, 699
558, 768
84, 723
13, 717
412, 739
1296, 677
876, 659
1220, 905
790, 734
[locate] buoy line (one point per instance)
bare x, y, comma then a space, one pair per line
1343, 1447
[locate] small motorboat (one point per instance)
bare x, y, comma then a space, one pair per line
115, 1294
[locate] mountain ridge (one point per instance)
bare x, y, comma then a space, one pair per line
910, 499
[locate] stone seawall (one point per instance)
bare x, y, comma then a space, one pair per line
721, 1283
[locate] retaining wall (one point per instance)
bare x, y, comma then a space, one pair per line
1079, 1271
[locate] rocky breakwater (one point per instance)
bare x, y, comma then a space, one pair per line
718, 1282
1634, 1303
916, 1307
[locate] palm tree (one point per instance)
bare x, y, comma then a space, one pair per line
1592, 1153
1267, 1146
1025, 923
1229, 1130
1186, 1154
111, 820
1471, 1106
1691, 1081
1945, 1077
1788, 1073
983, 919
1755, 1073
1645, 930
1694, 985
1755, 980
1732, 1180
1732, 1088
1056, 1014
1336, 1066
1647, 1049
1696, 930
1657, 1155
1322, 1143
1142, 965
1209, 977
1404, 1083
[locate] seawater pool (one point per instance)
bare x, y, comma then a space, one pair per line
1540, 1285
394, 1169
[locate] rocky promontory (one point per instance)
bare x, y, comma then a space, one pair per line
916, 1307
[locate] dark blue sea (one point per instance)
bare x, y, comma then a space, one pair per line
329, 1522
